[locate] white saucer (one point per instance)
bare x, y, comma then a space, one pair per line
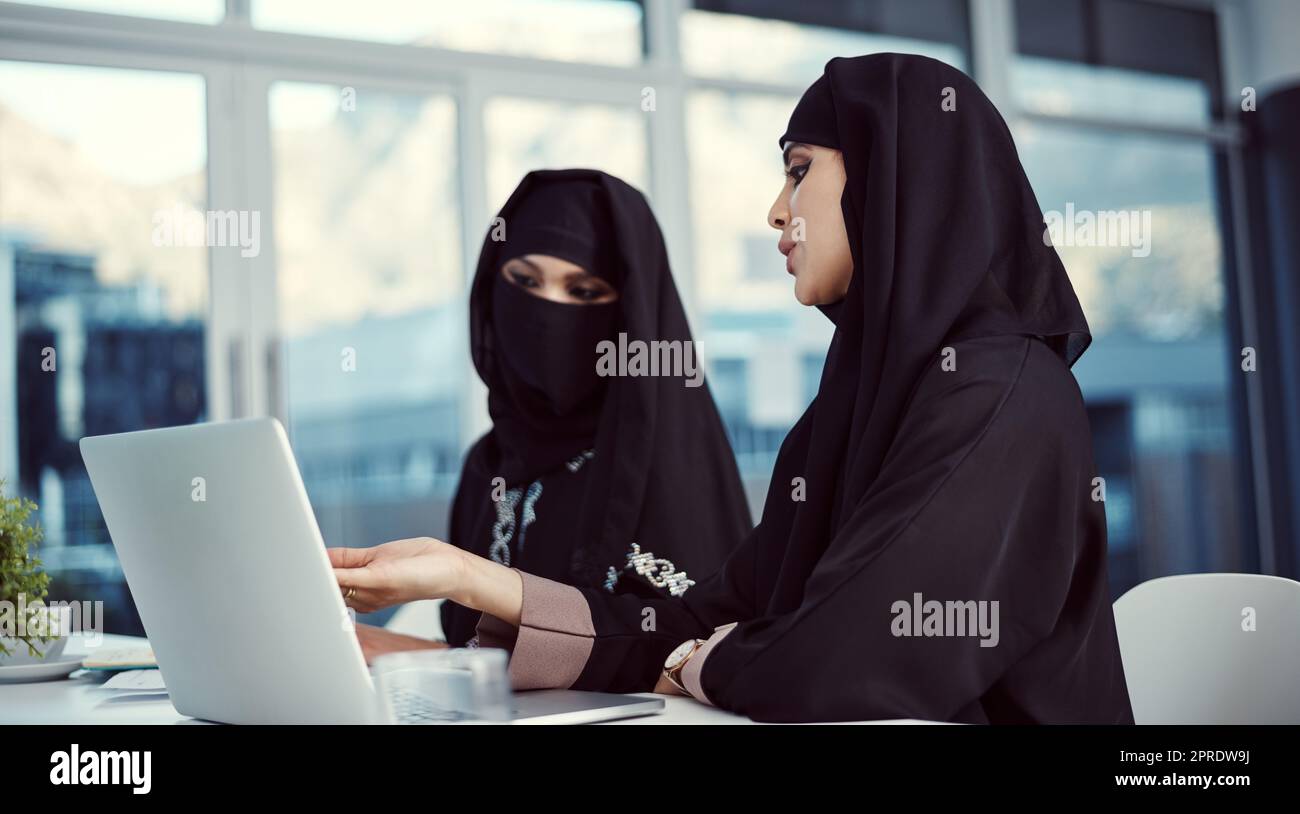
61, 667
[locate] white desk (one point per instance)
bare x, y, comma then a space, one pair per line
81, 700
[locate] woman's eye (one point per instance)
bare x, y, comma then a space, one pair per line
585, 293
797, 172
522, 280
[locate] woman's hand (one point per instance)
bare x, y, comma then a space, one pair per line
376, 641
425, 568
398, 572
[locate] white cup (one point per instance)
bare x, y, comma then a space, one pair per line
58, 619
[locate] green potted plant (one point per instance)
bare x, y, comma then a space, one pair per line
26, 626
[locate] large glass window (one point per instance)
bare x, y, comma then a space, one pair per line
789, 43
189, 11
102, 295
601, 31
1130, 60
536, 134
1156, 377
1117, 107
753, 331
1140, 235
370, 275
1062, 88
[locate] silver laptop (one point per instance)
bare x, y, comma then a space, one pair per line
228, 570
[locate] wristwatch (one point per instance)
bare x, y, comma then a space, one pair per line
677, 660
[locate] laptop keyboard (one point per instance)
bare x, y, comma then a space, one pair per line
410, 707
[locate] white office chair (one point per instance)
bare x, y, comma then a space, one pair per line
1189, 658
421, 618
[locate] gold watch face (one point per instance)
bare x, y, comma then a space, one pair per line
679, 655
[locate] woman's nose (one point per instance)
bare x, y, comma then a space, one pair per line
779, 215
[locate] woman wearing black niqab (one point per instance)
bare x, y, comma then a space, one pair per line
589, 466
929, 547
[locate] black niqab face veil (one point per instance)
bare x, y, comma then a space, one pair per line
947, 244
544, 394
546, 350
663, 474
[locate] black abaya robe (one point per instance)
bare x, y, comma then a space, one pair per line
946, 458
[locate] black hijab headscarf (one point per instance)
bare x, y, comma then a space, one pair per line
969, 485
946, 237
663, 475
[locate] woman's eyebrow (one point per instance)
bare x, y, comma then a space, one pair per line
526, 262
789, 148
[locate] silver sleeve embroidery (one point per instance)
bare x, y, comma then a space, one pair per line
530, 500
657, 571
503, 530
575, 463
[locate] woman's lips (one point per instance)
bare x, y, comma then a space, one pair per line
787, 247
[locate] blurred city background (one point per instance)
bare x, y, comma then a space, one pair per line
377, 139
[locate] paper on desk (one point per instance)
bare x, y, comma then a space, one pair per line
136, 680
120, 658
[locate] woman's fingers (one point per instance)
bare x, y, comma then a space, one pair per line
362, 589
349, 557
376, 641
363, 601
358, 578
360, 584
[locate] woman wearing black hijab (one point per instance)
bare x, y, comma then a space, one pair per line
930, 546
583, 477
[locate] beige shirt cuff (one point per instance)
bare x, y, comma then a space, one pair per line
550, 648
691, 672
